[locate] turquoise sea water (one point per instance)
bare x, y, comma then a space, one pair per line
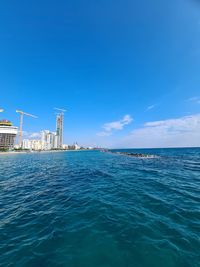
94, 209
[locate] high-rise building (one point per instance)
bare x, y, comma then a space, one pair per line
59, 129
48, 140
8, 134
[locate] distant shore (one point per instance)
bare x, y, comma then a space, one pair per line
43, 151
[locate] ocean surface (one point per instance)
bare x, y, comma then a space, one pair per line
94, 209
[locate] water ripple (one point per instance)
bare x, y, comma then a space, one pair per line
97, 209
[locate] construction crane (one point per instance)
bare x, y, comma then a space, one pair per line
22, 113
62, 110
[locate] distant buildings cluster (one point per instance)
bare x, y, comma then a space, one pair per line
48, 141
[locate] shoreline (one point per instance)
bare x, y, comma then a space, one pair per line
44, 151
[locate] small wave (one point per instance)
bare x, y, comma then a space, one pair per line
94, 209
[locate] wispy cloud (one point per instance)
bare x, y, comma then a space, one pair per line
118, 125
195, 99
110, 127
180, 132
103, 134
151, 107
33, 135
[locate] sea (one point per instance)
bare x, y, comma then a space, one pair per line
97, 209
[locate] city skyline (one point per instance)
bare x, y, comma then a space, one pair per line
99, 133
127, 80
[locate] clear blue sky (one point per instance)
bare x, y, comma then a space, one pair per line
103, 60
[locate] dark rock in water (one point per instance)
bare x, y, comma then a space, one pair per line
135, 155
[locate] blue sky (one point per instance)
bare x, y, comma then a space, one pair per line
127, 71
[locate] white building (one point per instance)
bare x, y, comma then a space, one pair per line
76, 146
32, 144
27, 144
36, 145
64, 146
8, 134
49, 140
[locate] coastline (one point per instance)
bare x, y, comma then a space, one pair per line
44, 151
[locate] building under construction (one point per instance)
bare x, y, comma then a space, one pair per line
60, 127
8, 133
59, 130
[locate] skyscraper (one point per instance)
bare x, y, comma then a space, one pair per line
59, 129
